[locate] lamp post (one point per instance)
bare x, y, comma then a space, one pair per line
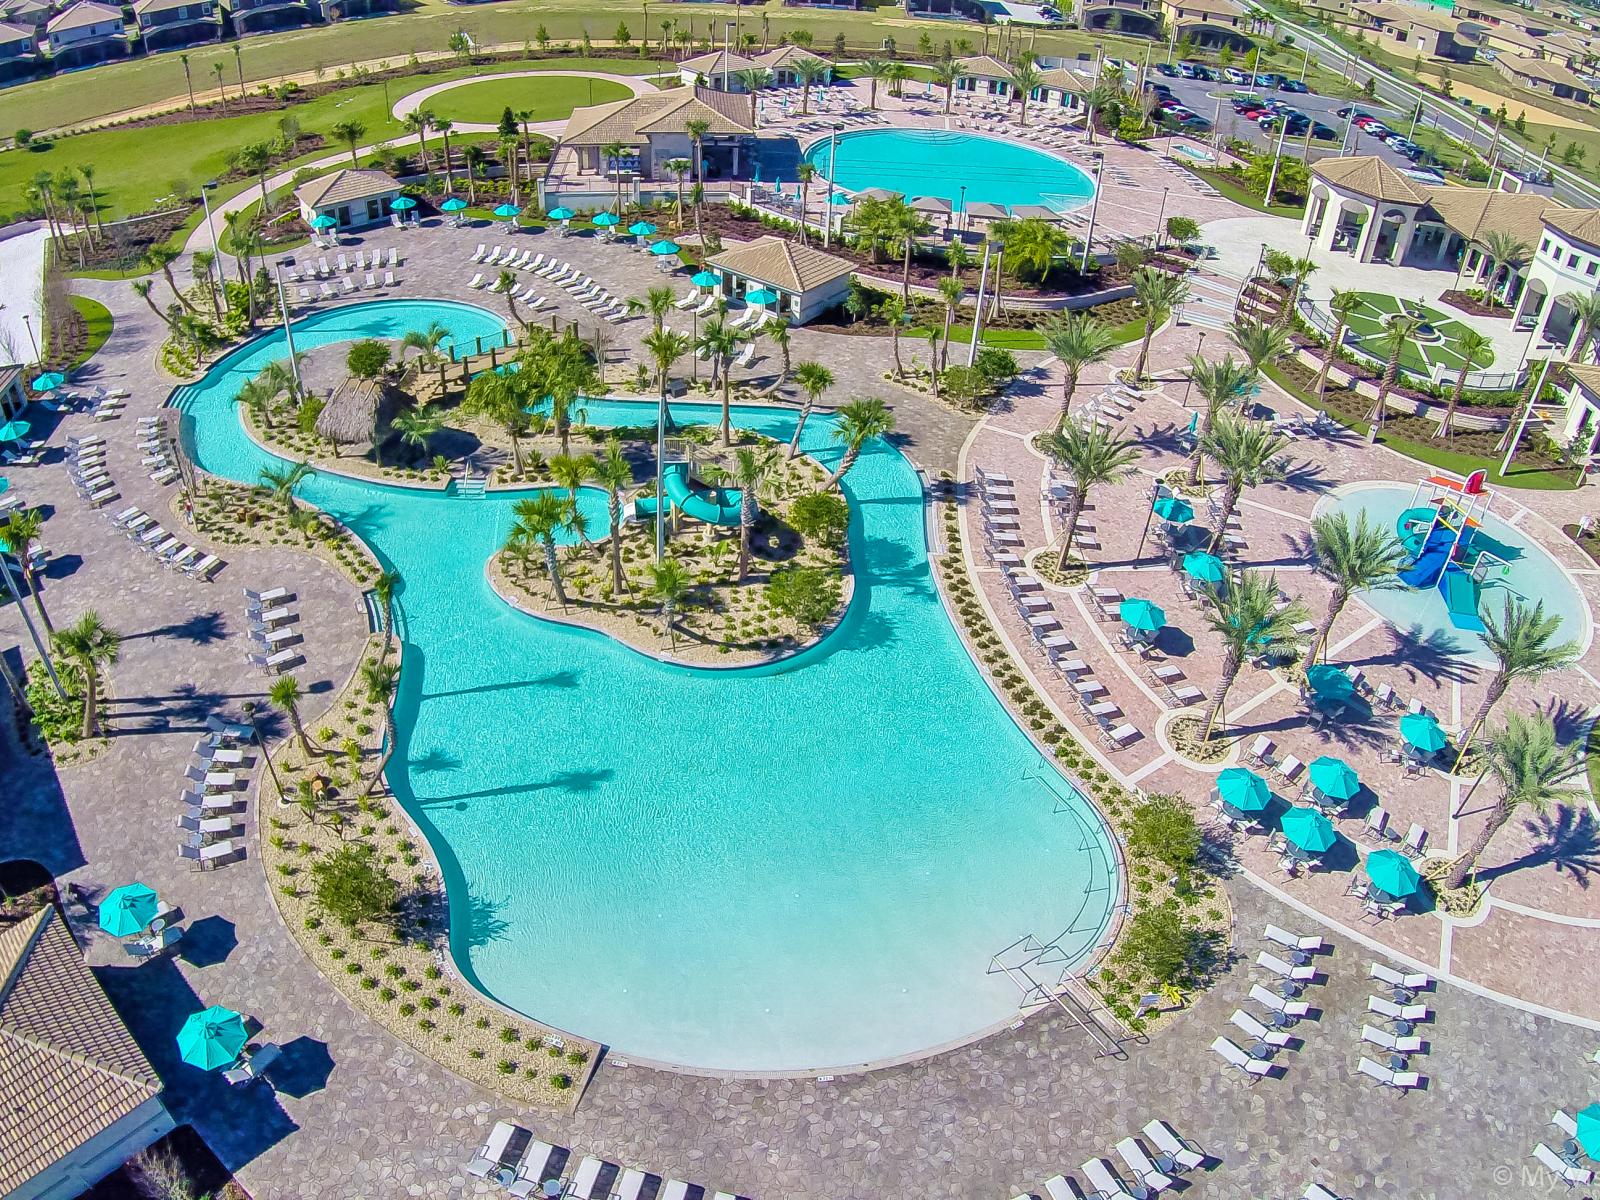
1094, 209
1188, 383
1306, 65
1149, 512
211, 227
288, 326
727, 32
1272, 177
661, 468
963, 207
1160, 215
827, 201
27, 321
983, 279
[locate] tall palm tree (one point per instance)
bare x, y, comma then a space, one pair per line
444, 126
1359, 557
810, 72
697, 128
678, 168
350, 132
418, 121
658, 303
1534, 771
1246, 453
1078, 340
945, 73
506, 284
669, 584
1397, 334
875, 69
381, 680
18, 535
284, 695
1093, 456
1024, 78
1342, 306
612, 152
1263, 345
857, 423
665, 347
1157, 293
90, 644
539, 520
951, 293
1502, 249
282, 481
753, 79
720, 343
572, 471
814, 379
614, 473
160, 257
777, 332
142, 289
200, 265
804, 173
752, 465
1585, 308
1245, 615
1221, 385
892, 312
1300, 270
1522, 640
383, 592
1473, 347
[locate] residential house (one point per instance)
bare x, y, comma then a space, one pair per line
258, 16
86, 32
1538, 75
1210, 23
353, 197
1412, 32
78, 1098
30, 13
17, 50
1141, 18
164, 24
949, 10
808, 281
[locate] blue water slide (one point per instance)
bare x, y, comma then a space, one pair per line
715, 506
1460, 594
1432, 561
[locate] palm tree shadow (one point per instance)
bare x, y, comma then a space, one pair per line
1168, 438
1306, 476
1567, 838
436, 759
202, 629
1435, 656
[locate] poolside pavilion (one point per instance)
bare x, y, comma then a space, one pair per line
807, 281
354, 198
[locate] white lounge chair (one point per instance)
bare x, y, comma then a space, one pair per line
1143, 1169
492, 257
673, 1189
531, 1171
343, 264
1105, 1184
394, 258
1410, 1044
476, 281
1182, 1153
1293, 941
1278, 967
494, 1146
305, 295
1236, 1057
583, 1179
371, 281
1403, 1080
208, 566
388, 279
1291, 1008
629, 1184
690, 300
477, 255
1057, 1188
1413, 981
498, 285
1253, 1027
1316, 1191
1385, 1007
1560, 1168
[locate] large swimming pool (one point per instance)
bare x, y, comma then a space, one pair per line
933, 162
801, 866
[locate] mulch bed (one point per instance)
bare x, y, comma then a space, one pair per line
1474, 306
125, 241
205, 1170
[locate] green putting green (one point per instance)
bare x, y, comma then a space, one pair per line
544, 99
1432, 347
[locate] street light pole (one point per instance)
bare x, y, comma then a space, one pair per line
727, 29
1272, 177
1533, 397
288, 326
27, 322
1306, 65
827, 201
33, 631
977, 315
216, 248
1160, 215
1094, 209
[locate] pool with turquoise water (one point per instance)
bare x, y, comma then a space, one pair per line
805, 865
1529, 574
936, 162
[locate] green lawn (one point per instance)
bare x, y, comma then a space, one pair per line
1367, 326
1225, 184
550, 99
98, 318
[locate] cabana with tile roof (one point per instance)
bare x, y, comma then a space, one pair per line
78, 1098
354, 197
808, 281
1059, 88
984, 74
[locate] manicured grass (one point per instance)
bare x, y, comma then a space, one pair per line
98, 319
1368, 326
551, 99
1225, 184
1593, 759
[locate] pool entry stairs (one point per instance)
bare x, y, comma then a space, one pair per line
472, 488
1438, 533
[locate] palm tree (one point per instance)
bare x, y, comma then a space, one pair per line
383, 592
1342, 306
1521, 639
1474, 348
1502, 249
1157, 293
572, 471
426, 342
474, 159
810, 72
678, 168
615, 474
142, 288
200, 265
805, 173
255, 158
91, 644
1585, 309
1397, 334
697, 128
858, 422
1300, 270
539, 520
160, 257
1094, 456
1362, 557
1246, 616
669, 584
418, 121
1220, 384
1078, 340
349, 132
1263, 345
720, 343
443, 126
814, 379
506, 283
658, 303
906, 225
282, 481
284, 695
612, 152
665, 347
945, 73
753, 79
951, 292
381, 679
893, 313
18, 535
1246, 452
1024, 78
415, 426
1534, 771
875, 69
752, 465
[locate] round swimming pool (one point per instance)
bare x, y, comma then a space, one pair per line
936, 162
801, 866
1519, 568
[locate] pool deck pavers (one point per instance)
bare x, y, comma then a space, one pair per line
362, 1115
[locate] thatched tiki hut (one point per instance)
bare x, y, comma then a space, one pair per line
350, 418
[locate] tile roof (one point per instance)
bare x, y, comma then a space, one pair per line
1209, 8
985, 65
69, 1068
1060, 77
632, 121
782, 264
1580, 223
15, 33
1409, 16
1587, 375
349, 183
1367, 175
141, 7
787, 57
711, 64
83, 14
1475, 213
1536, 68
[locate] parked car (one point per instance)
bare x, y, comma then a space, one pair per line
1168, 70
1205, 73
1347, 110
1323, 133
1235, 75
1294, 85
1186, 70
1269, 79
1159, 89
1195, 122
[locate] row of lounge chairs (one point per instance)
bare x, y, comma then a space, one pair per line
155, 454
214, 782
1401, 1010
524, 1165
349, 286
1282, 1005
320, 269
1152, 1170
86, 467
270, 621
170, 551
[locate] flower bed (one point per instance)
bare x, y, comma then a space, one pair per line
233, 514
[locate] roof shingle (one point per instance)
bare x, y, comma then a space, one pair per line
782, 263
632, 121
351, 183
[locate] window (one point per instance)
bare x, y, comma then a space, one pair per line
374, 210
1544, 246
1590, 269
1572, 259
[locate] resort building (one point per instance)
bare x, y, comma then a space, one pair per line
1141, 18
1210, 23
167, 23
720, 69
1582, 418
13, 396
783, 62
1409, 31
984, 75
1538, 75
808, 281
1565, 261
85, 33
653, 129
353, 197
78, 1098
1058, 88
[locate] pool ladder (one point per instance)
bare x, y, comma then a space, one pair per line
472, 488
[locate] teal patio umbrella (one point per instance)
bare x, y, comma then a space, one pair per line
1422, 731
1243, 789
705, 279
212, 1038
1308, 829
1334, 778
641, 229
128, 910
761, 296
562, 213
5, 485
1175, 509
663, 248
1207, 568
49, 381
453, 205
1589, 1130
1329, 683
1141, 614
403, 204
1392, 873
607, 219
839, 198
14, 431
506, 211
323, 222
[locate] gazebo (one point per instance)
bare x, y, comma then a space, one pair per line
352, 197
807, 281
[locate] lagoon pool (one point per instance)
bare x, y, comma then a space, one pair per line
934, 162
800, 866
